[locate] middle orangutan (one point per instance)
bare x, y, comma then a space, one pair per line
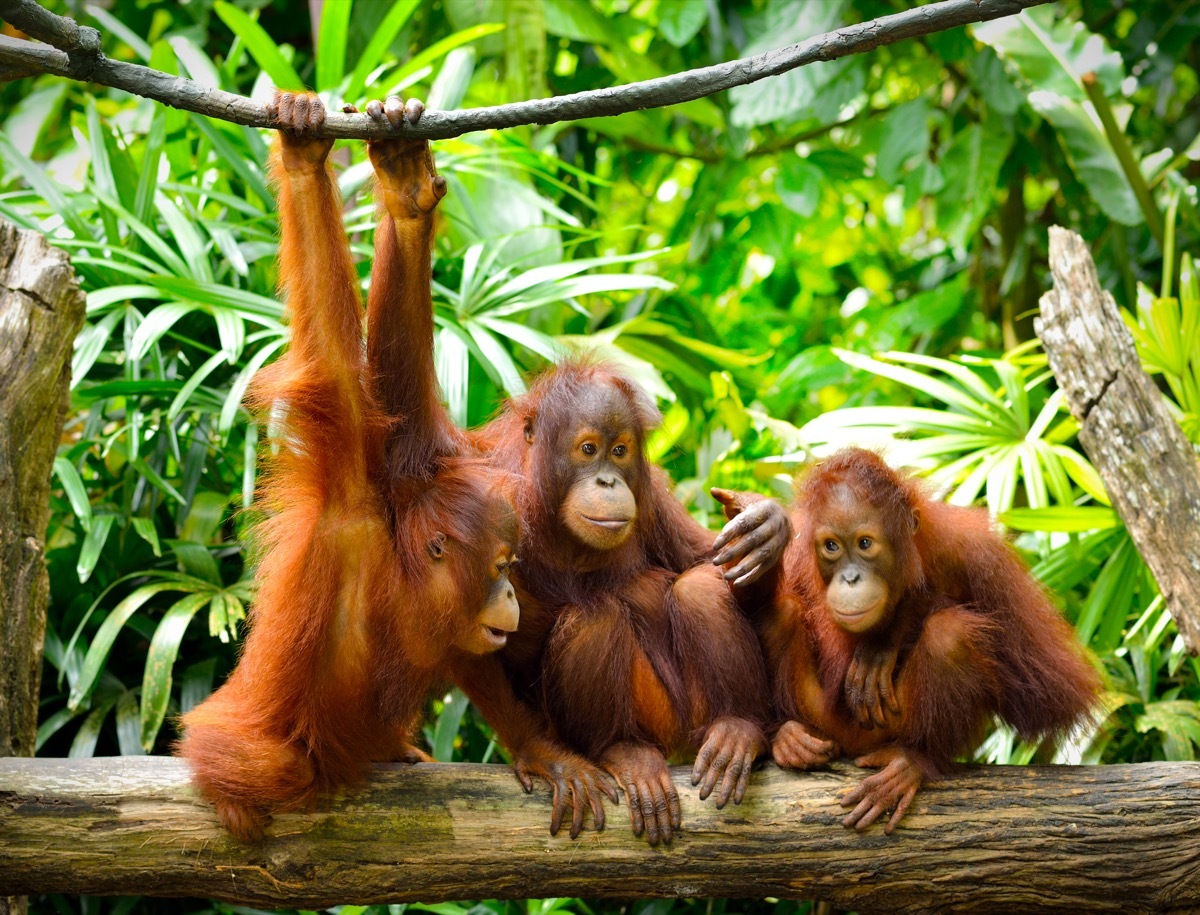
632, 647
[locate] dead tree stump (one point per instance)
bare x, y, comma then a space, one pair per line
1149, 467
41, 310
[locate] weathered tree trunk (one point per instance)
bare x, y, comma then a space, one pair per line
1000, 839
41, 310
1148, 466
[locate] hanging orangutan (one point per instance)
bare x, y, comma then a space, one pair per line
389, 545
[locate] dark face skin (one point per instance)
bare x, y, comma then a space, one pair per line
599, 461
857, 562
493, 560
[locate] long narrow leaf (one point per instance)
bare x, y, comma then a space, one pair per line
381, 39
160, 660
76, 492
260, 45
102, 643
331, 44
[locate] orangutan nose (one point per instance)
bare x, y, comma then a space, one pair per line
606, 480
852, 576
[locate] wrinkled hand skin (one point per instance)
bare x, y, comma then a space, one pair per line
405, 168
642, 773
299, 115
869, 690
753, 540
796, 747
730, 748
892, 788
572, 780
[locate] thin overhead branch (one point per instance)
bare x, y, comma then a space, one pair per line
1001, 839
69, 54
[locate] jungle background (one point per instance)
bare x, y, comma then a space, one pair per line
850, 252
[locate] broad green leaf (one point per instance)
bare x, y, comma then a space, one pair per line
157, 323
155, 478
246, 167
1091, 157
453, 80
249, 304
1110, 595
146, 530
381, 39
580, 21
260, 45
197, 684
971, 168
102, 172
497, 362
947, 393
93, 543
447, 726
76, 492
1063, 518
195, 560
111, 24
905, 136
436, 51
1050, 52
799, 185
237, 390
128, 725
452, 362
84, 744
679, 21
331, 44
32, 113
187, 239
1080, 470
52, 725
102, 642
160, 661
46, 188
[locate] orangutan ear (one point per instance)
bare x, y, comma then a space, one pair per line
437, 545
529, 429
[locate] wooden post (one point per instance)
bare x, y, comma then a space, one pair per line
1149, 467
41, 310
1000, 839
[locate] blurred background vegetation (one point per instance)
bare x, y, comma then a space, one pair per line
853, 251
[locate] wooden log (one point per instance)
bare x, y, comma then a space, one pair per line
1149, 467
997, 839
41, 310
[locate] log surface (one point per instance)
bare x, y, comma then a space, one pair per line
1148, 466
999, 839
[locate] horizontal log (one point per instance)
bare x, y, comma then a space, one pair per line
989, 839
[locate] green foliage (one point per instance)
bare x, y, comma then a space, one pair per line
851, 252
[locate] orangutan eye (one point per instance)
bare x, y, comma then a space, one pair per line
619, 451
589, 449
864, 543
831, 546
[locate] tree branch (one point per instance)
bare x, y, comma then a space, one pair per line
70, 60
1001, 839
1148, 465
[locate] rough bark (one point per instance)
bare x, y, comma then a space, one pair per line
1150, 469
1000, 839
41, 310
24, 56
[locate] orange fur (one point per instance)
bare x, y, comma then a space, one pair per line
353, 622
